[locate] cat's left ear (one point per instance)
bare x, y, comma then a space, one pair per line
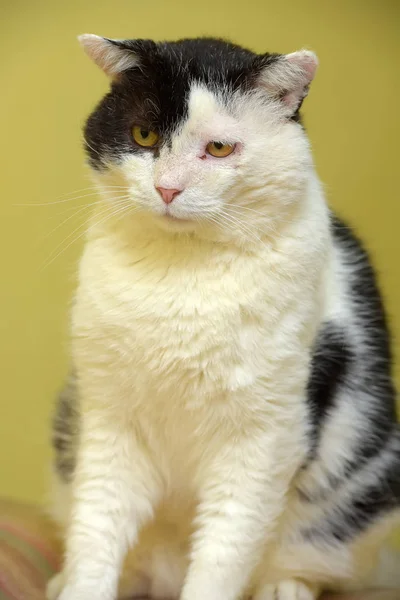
287, 77
112, 56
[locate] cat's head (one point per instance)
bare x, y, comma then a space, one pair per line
201, 133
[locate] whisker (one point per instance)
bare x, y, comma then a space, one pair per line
55, 202
81, 209
213, 217
109, 214
91, 147
236, 207
240, 208
269, 225
106, 210
72, 208
244, 229
86, 205
91, 187
232, 219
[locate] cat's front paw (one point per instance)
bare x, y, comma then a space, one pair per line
55, 586
58, 589
287, 590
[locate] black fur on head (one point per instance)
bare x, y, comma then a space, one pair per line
153, 91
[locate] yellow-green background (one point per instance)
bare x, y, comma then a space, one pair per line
47, 86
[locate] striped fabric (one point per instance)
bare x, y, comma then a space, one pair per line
29, 552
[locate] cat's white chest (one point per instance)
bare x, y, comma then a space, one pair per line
187, 330
178, 348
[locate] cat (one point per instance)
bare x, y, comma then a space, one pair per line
229, 428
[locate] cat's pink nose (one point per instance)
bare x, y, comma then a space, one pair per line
167, 194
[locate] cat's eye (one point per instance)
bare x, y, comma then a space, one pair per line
145, 137
220, 150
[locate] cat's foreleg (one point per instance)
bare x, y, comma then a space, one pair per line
115, 490
241, 502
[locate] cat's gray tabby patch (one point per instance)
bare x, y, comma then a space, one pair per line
66, 428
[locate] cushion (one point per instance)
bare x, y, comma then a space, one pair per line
29, 552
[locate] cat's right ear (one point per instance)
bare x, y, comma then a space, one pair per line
287, 78
112, 56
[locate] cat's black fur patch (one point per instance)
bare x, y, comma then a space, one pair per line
154, 95
330, 362
375, 379
364, 374
377, 494
366, 294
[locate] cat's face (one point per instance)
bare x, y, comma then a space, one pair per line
201, 133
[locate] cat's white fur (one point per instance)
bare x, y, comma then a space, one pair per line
192, 342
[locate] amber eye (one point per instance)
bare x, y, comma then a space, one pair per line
145, 137
219, 149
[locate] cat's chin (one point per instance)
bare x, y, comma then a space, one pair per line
175, 224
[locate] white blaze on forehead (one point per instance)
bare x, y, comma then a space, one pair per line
208, 118
238, 119
202, 103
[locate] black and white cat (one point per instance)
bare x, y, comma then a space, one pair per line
229, 428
